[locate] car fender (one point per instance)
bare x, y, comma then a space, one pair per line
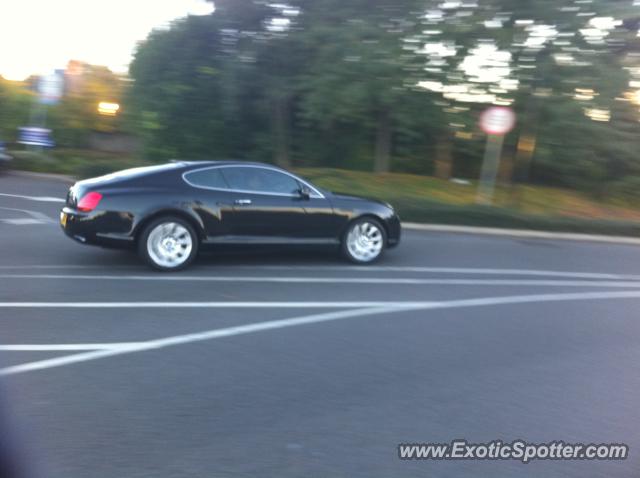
184, 211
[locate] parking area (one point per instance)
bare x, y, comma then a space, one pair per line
293, 363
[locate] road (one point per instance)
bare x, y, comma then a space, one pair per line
292, 364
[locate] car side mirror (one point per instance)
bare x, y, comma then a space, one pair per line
304, 192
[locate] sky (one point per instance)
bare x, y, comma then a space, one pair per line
39, 36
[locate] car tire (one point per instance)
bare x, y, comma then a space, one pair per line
364, 241
168, 243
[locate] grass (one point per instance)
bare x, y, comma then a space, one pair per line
532, 200
431, 200
417, 198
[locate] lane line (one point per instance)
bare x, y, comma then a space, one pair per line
307, 320
443, 270
329, 280
187, 338
198, 305
27, 221
72, 266
34, 215
34, 198
453, 270
64, 347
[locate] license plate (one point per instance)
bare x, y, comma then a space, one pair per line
63, 219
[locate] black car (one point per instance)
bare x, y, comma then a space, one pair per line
168, 212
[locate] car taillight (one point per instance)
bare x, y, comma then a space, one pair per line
89, 201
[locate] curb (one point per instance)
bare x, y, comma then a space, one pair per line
55, 177
523, 233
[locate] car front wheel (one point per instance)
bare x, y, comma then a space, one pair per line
168, 244
364, 241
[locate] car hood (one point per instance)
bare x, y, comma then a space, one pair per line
349, 197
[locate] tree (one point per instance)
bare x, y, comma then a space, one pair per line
538, 57
15, 102
358, 67
382, 84
76, 115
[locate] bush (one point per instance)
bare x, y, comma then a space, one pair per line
80, 164
32, 161
486, 216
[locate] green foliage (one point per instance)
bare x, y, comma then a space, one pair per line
334, 83
15, 102
76, 116
429, 200
323, 90
486, 216
78, 163
73, 118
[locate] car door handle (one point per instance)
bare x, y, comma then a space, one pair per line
242, 202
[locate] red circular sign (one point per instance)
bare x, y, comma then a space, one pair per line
497, 120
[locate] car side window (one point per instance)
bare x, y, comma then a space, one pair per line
260, 180
208, 178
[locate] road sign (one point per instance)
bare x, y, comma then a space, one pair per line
50, 88
32, 136
497, 120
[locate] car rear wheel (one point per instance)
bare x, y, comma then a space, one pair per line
364, 241
168, 244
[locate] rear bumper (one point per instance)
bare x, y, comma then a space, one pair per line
96, 228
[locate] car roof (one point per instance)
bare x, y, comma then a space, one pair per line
189, 165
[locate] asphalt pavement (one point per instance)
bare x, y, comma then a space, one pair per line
271, 363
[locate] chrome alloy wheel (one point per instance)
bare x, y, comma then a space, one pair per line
365, 241
169, 244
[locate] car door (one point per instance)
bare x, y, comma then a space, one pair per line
213, 201
321, 225
267, 205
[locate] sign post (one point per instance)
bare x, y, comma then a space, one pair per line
50, 89
496, 122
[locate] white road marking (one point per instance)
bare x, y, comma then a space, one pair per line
479, 271
187, 338
35, 217
34, 198
306, 320
435, 270
198, 305
71, 266
441, 270
22, 222
329, 280
64, 347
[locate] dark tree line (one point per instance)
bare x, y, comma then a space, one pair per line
398, 85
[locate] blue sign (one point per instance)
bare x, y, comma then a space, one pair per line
34, 136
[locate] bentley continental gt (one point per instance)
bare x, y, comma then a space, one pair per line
171, 211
